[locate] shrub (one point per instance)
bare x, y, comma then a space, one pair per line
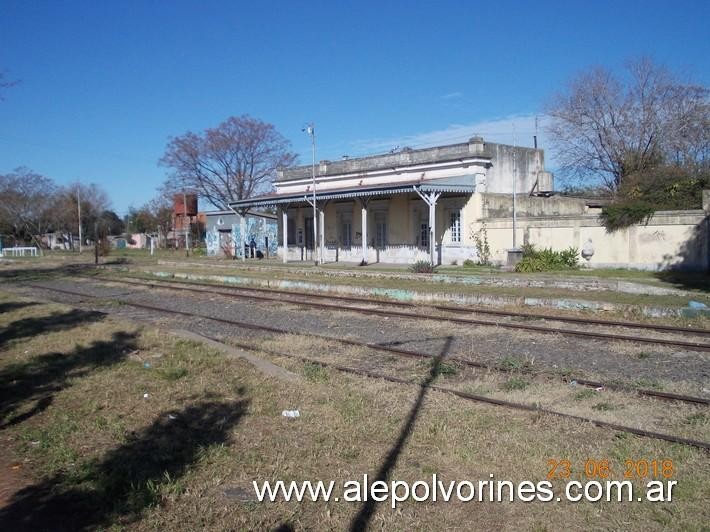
315, 372
543, 260
515, 383
480, 239
422, 266
468, 263
619, 215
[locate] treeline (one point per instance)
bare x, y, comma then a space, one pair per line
641, 137
33, 205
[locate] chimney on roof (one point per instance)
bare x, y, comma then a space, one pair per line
475, 145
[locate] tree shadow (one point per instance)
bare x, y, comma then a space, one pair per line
38, 379
363, 517
690, 268
395, 343
31, 272
57, 321
15, 305
130, 478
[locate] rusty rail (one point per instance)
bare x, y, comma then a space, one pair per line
467, 321
447, 308
397, 351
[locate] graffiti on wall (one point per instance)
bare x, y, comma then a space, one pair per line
260, 232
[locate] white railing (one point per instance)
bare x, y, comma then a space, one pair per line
30, 251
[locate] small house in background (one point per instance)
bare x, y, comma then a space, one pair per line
223, 234
138, 241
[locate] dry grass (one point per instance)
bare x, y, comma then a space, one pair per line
98, 422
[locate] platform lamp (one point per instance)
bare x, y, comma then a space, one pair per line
311, 132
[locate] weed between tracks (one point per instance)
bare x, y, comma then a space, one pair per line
98, 453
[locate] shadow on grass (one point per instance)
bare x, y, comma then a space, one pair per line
32, 272
363, 517
15, 305
686, 280
57, 321
130, 478
37, 380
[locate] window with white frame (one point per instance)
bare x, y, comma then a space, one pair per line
455, 226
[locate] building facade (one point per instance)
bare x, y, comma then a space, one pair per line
398, 207
224, 230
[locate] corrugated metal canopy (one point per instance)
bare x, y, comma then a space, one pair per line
460, 184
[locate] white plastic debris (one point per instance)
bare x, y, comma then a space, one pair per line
573, 383
171, 417
145, 396
291, 413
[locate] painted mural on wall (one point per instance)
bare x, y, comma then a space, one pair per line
259, 232
212, 242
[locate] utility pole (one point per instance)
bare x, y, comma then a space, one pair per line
78, 206
96, 243
310, 130
515, 203
184, 215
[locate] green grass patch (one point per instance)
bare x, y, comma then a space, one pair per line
583, 395
446, 369
697, 419
173, 373
315, 372
604, 407
649, 384
511, 363
515, 383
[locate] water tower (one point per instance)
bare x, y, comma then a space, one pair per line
184, 210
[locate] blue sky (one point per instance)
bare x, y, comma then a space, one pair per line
104, 84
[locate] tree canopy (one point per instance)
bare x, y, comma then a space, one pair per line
32, 204
611, 126
235, 160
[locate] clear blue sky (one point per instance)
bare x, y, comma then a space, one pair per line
104, 84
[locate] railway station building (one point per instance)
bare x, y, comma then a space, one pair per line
414, 204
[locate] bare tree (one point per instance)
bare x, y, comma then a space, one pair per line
153, 217
608, 126
94, 201
26, 204
232, 161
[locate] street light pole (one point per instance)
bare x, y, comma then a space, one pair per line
184, 215
515, 186
310, 130
78, 206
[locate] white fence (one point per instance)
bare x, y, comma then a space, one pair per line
30, 251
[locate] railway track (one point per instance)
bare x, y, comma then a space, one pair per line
464, 395
448, 308
298, 299
402, 352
